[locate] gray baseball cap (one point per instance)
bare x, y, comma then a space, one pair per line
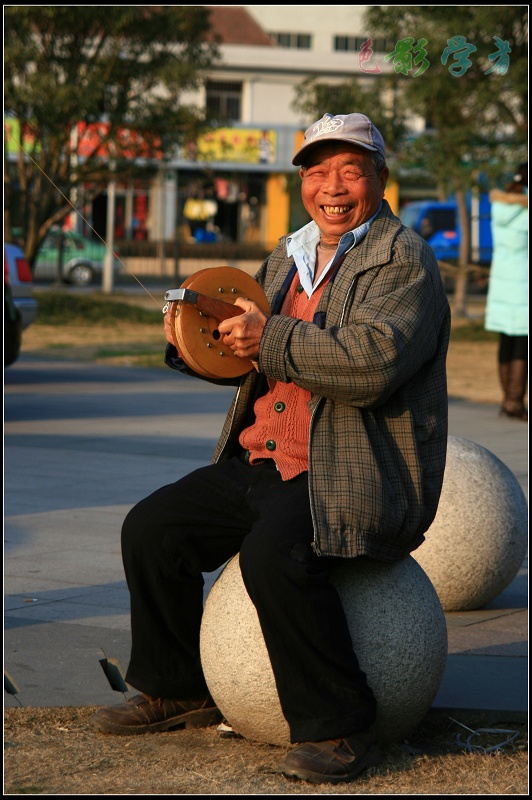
356, 129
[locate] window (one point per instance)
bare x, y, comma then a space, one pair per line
344, 44
224, 101
301, 41
353, 44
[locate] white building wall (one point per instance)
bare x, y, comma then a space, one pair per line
271, 103
270, 75
297, 62
322, 22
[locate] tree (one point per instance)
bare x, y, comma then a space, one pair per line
315, 98
476, 124
477, 117
113, 76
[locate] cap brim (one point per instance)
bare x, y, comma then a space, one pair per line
305, 151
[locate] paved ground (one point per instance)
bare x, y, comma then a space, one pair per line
83, 443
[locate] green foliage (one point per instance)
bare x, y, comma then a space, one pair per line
124, 66
315, 98
476, 119
476, 123
61, 308
63, 65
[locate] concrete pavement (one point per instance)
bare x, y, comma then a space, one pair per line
83, 443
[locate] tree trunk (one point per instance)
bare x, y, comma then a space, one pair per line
459, 305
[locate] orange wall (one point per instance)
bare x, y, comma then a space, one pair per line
277, 209
391, 194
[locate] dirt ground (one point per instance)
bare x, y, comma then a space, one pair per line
471, 366
55, 751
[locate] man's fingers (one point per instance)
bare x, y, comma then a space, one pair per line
247, 305
169, 327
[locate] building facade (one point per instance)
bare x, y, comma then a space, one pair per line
237, 183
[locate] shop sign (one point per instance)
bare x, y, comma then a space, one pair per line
235, 145
13, 138
92, 140
125, 143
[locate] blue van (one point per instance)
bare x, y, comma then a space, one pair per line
437, 222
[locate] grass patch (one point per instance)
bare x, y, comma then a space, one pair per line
472, 331
139, 351
133, 356
59, 308
150, 360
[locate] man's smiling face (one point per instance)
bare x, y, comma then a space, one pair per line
341, 188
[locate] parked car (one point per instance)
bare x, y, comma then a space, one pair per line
12, 327
82, 258
438, 223
20, 306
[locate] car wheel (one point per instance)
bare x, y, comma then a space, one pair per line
80, 275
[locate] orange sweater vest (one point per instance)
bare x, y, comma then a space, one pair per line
282, 416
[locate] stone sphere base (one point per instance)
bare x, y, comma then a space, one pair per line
479, 537
398, 630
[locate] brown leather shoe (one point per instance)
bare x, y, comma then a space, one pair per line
333, 761
143, 714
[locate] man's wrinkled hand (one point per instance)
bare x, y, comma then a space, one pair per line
244, 332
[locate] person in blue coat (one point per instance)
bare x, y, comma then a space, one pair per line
507, 300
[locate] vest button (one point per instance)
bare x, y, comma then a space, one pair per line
299, 289
270, 444
279, 407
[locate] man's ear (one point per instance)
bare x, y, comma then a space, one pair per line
385, 174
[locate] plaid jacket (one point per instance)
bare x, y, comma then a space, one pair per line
376, 371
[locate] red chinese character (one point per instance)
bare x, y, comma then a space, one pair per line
365, 54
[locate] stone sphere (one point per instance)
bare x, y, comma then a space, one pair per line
479, 537
398, 630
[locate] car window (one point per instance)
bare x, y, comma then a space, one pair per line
442, 219
50, 240
409, 215
78, 243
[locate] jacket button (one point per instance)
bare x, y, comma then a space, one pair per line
270, 444
279, 406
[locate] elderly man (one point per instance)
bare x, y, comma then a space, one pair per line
334, 447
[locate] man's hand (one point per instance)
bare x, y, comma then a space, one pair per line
169, 330
244, 332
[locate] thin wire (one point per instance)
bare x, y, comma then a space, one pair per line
82, 217
470, 747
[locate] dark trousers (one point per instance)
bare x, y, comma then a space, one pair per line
512, 348
195, 525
